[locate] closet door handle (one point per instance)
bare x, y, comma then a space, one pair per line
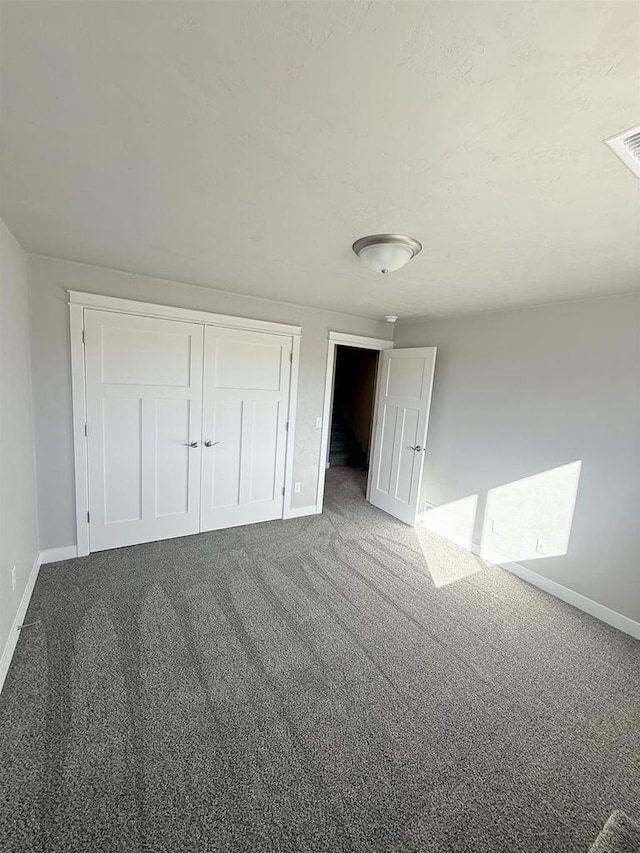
193, 444
417, 448
210, 443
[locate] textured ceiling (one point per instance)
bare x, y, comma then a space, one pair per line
244, 146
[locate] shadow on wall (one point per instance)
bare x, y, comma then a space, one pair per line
527, 519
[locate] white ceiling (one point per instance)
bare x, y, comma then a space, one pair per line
244, 146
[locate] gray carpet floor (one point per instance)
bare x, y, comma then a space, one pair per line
306, 686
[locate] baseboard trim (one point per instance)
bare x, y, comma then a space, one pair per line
593, 608
14, 633
56, 555
576, 599
300, 511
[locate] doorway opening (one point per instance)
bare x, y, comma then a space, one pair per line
354, 385
349, 411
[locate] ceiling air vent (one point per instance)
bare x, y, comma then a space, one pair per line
627, 146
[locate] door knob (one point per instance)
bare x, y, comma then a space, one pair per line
210, 443
193, 444
417, 448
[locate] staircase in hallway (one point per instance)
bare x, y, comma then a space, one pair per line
344, 448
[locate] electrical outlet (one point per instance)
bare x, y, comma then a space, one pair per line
541, 546
318, 423
13, 578
296, 487
496, 526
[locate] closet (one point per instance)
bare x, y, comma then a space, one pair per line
185, 421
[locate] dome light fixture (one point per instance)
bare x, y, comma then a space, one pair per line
386, 252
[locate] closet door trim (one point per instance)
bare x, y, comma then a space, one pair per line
149, 309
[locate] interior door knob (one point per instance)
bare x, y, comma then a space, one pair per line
417, 448
210, 443
193, 444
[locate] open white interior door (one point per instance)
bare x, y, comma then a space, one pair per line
402, 417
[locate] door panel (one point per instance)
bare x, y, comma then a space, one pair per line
140, 356
264, 420
224, 482
248, 365
402, 406
122, 463
245, 404
144, 405
407, 459
172, 456
404, 377
384, 466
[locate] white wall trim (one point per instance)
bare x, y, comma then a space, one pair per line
359, 341
335, 339
291, 431
150, 309
56, 555
576, 599
14, 633
79, 417
300, 511
593, 608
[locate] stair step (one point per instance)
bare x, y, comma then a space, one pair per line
339, 460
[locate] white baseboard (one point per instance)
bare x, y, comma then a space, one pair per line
299, 511
56, 555
14, 633
593, 608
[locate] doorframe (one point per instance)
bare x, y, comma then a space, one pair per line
357, 342
78, 301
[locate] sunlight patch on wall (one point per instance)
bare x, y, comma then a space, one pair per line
526, 519
454, 521
530, 519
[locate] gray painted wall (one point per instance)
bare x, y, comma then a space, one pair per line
18, 522
521, 392
49, 279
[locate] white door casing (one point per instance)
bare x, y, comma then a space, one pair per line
245, 406
144, 408
402, 416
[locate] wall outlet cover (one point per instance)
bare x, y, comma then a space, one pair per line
496, 526
13, 578
296, 487
542, 546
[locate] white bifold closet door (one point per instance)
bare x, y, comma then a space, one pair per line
244, 426
144, 409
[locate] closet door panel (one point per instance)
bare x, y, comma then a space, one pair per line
144, 408
245, 404
263, 449
122, 458
226, 423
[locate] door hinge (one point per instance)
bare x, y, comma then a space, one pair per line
291, 357
88, 517
83, 336
286, 426
86, 430
283, 490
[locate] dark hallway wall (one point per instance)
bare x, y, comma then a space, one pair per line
353, 394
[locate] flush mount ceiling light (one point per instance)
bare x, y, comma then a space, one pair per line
386, 252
